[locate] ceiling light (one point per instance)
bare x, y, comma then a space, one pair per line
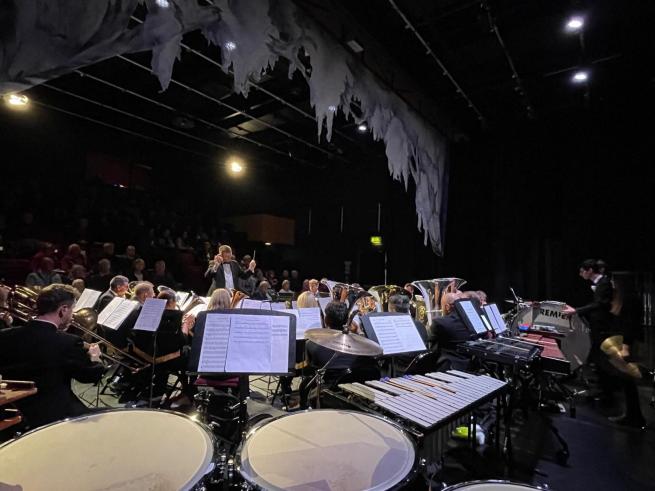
236, 167
332, 108
362, 127
575, 24
230, 46
163, 3
17, 100
267, 244
580, 77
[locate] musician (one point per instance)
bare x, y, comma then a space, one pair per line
227, 271
306, 300
42, 352
313, 287
168, 346
342, 368
142, 292
118, 287
5, 317
447, 332
220, 299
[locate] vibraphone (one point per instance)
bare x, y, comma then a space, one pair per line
430, 406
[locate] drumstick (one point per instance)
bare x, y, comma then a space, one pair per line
400, 386
431, 384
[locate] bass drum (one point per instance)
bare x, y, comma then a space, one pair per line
327, 449
491, 486
546, 318
127, 449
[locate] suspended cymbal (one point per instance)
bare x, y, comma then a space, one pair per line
350, 344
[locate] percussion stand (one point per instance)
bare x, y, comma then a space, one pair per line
244, 393
320, 373
152, 373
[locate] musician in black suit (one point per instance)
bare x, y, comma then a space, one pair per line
227, 271
447, 332
118, 287
42, 352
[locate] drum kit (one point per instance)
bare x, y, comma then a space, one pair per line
136, 449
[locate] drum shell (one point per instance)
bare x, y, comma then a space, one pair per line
491, 485
72, 469
404, 484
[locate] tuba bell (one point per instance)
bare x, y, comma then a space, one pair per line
430, 303
381, 293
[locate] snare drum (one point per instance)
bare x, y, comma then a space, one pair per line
127, 449
327, 449
491, 486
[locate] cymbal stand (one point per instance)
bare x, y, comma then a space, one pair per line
320, 373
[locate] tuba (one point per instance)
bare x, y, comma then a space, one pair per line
429, 304
381, 293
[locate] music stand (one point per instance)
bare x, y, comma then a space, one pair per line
226, 343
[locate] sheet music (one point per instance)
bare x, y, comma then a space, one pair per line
266, 305
294, 304
248, 303
323, 301
307, 318
396, 334
473, 316
116, 312
250, 344
150, 314
496, 319
279, 344
278, 305
87, 299
213, 353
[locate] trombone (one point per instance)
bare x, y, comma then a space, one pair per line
85, 320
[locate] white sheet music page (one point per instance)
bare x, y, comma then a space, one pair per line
109, 308
248, 303
280, 343
150, 314
120, 313
201, 307
474, 317
323, 301
278, 305
294, 304
396, 334
182, 297
216, 335
249, 347
266, 305
308, 318
87, 299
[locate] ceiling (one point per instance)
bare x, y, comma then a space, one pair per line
491, 64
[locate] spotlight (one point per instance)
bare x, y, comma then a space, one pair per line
267, 244
332, 108
575, 24
16, 101
362, 128
230, 45
235, 167
163, 3
580, 77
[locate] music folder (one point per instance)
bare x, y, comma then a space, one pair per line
150, 315
395, 332
116, 311
87, 299
244, 341
471, 315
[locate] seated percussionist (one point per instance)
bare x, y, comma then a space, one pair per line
42, 352
343, 367
448, 331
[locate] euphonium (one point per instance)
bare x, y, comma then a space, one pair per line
433, 293
381, 293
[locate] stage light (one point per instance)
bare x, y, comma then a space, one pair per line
362, 128
230, 45
580, 77
236, 167
267, 244
163, 3
17, 101
332, 108
575, 24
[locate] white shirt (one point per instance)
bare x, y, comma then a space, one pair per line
229, 280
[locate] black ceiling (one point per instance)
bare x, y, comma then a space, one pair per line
274, 126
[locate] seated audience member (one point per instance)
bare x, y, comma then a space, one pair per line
118, 287
285, 287
342, 367
161, 276
47, 249
262, 292
296, 284
44, 275
75, 255
77, 272
42, 352
137, 272
124, 261
100, 281
78, 284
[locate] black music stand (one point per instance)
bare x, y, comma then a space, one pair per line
195, 365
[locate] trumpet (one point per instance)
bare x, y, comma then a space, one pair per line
85, 320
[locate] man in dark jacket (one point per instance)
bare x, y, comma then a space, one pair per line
118, 287
227, 271
42, 352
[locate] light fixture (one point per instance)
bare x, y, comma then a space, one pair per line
230, 45
235, 167
332, 108
267, 244
17, 101
162, 3
362, 128
574, 24
376, 240
580, 77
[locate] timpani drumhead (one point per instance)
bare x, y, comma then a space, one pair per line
327, 450
490, 486
126, 449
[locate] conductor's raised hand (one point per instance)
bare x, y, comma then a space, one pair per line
252, 265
